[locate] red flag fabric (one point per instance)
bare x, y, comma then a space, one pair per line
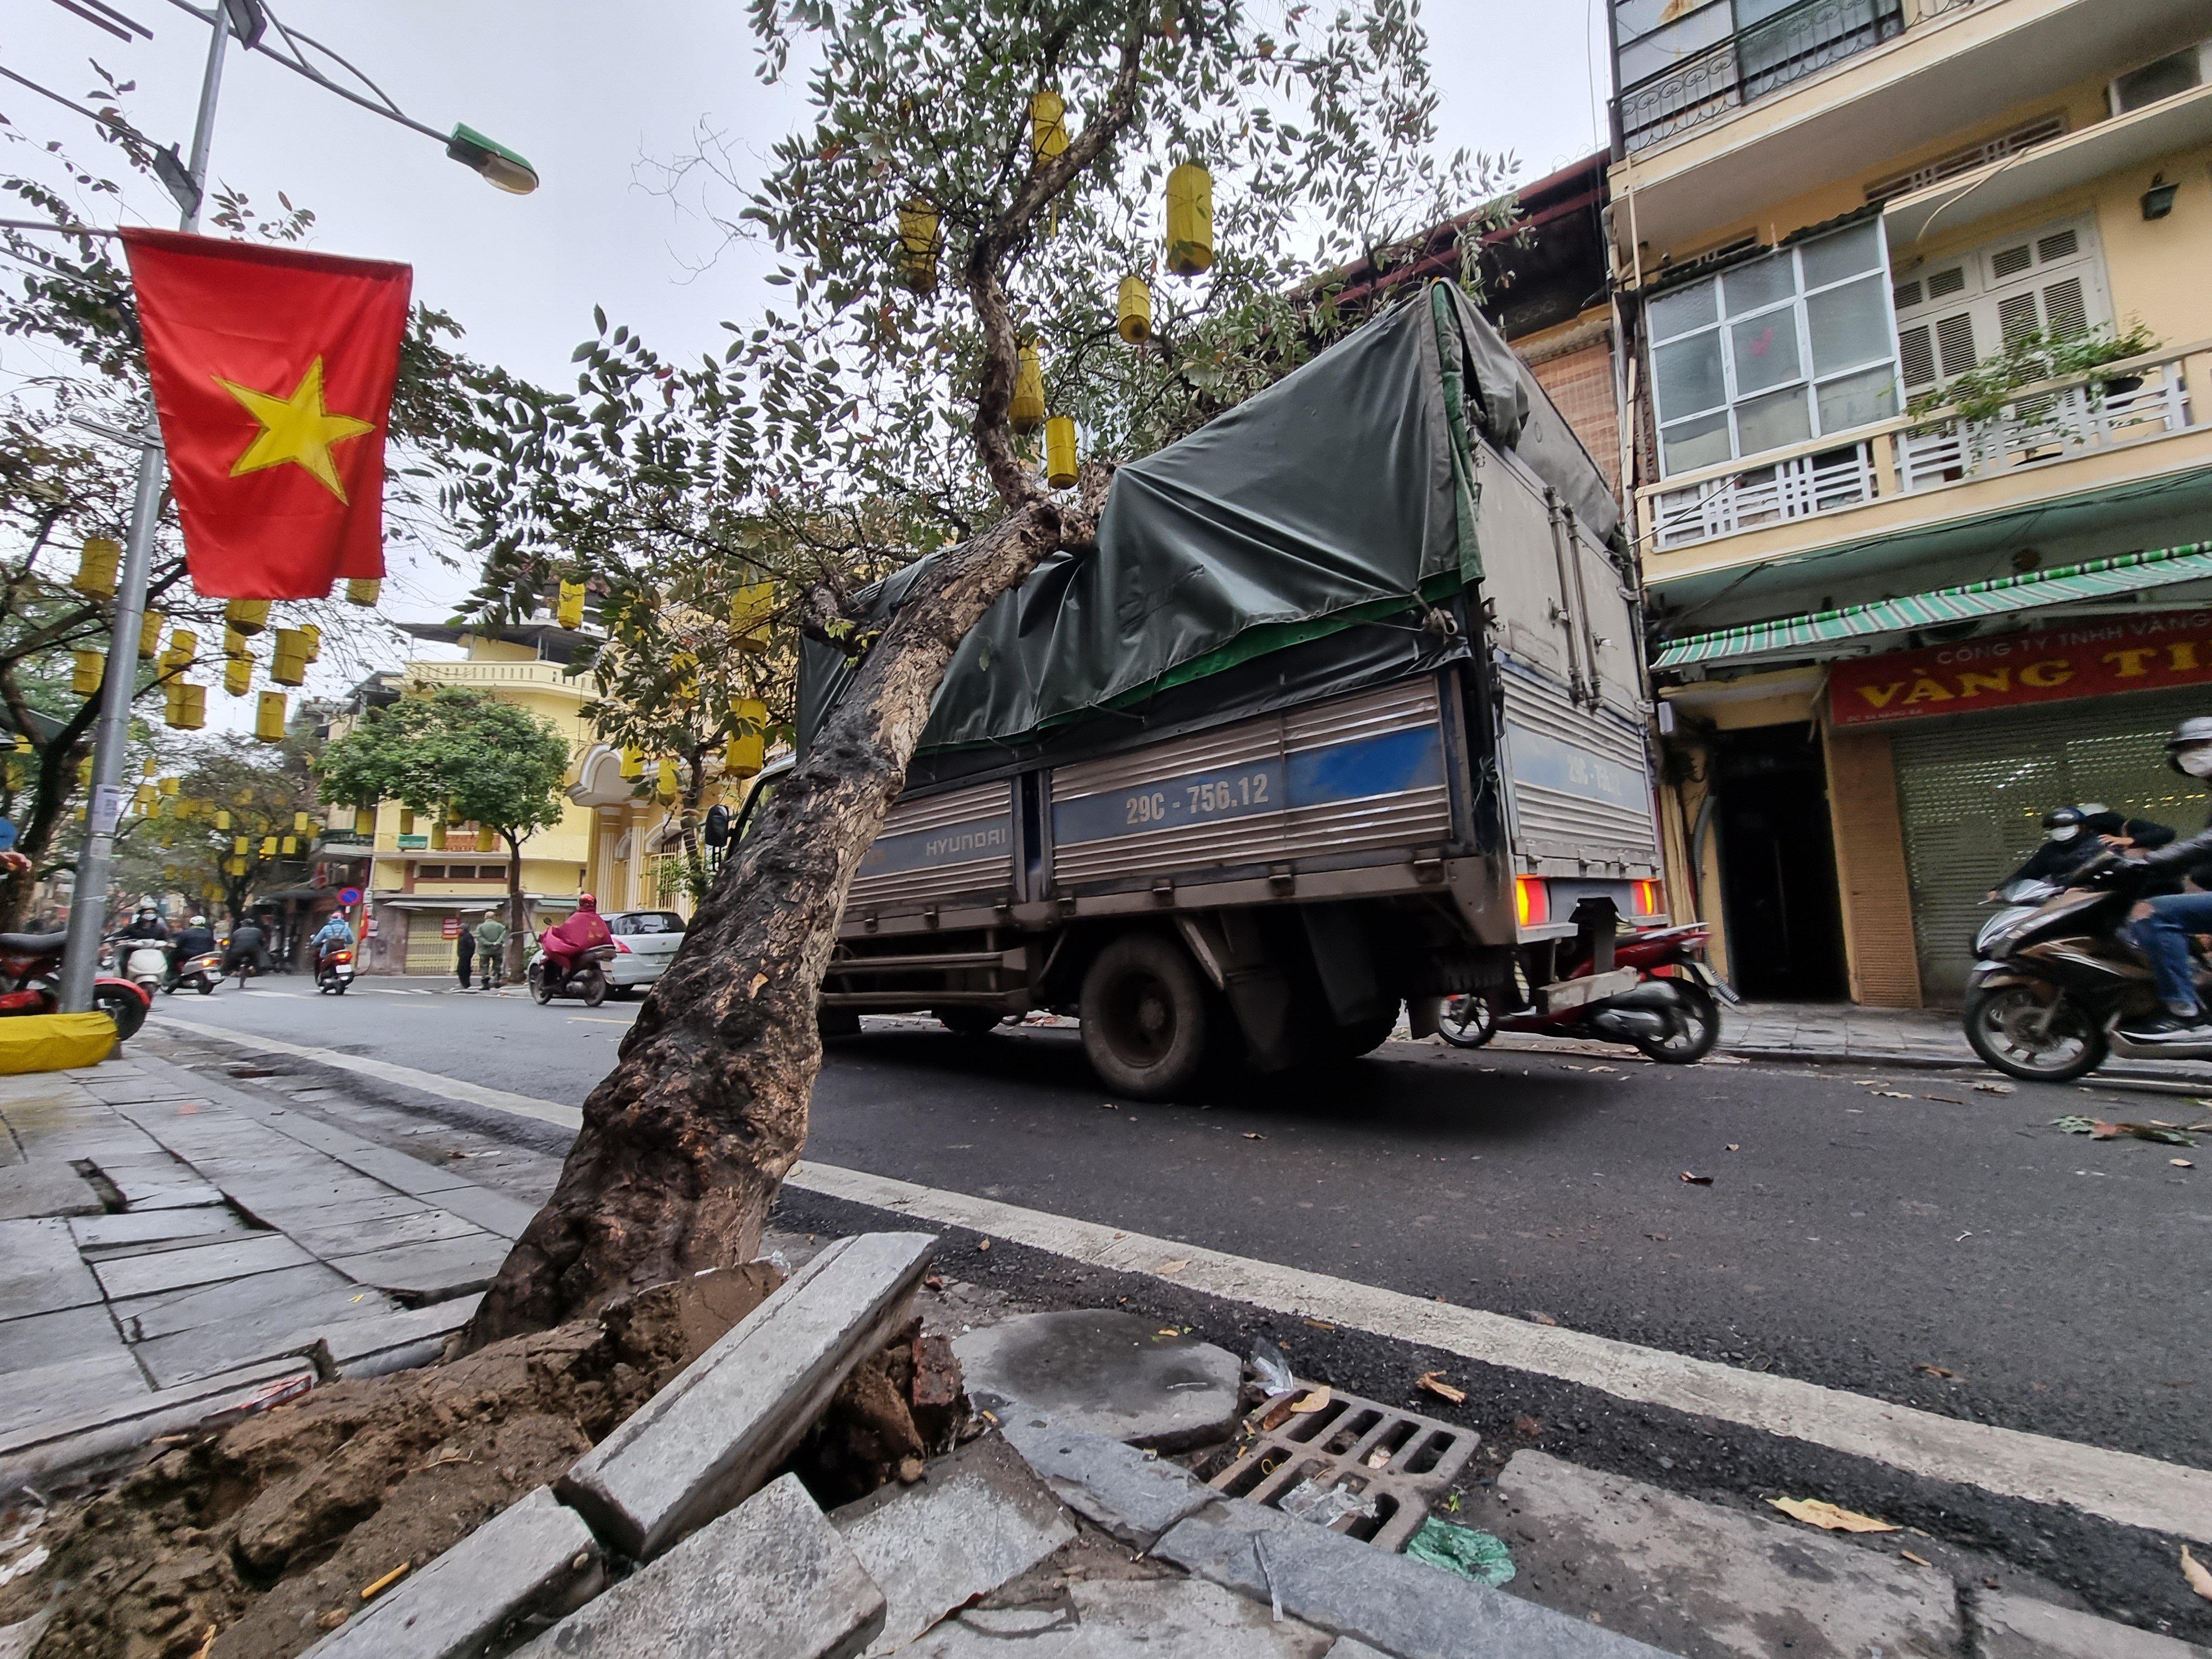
272, 373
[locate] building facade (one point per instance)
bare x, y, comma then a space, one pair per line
1919, 294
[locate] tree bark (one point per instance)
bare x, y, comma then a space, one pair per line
685, 1141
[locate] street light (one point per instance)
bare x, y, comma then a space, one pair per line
499, 165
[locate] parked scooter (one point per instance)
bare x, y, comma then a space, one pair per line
1669, 1009
30, 969
201, 973
334, 972
2056, 974
588, 979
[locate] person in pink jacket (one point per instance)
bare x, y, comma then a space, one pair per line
571, 938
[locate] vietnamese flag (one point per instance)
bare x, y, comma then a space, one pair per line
272, 373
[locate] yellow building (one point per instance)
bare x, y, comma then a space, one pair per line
1823, 215
426, 880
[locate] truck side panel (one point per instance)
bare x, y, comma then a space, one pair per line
940, 847
1358, 778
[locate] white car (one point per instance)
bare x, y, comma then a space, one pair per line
646, 942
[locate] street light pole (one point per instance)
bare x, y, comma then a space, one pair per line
96, 859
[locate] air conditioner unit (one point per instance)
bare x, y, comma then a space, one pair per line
2165, 77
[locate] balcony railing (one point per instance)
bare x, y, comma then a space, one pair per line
2120, 404
1755, 61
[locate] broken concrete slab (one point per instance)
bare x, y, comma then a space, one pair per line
40, 1271
1353, 1588
42, 1187
771, 1578
1109, 1373
431, 1271
534, 1555
347, 1238
101, 1235
713, 1434
1135, 1497
67, 1387
493, 1211
974, 1520
30, 1451
2020, 1628
355, 1348
1672, 1571
272, 1300
201, 1264
409, 1175
1141, 1619
56, 1339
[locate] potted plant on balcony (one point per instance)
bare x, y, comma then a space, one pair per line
1984, 392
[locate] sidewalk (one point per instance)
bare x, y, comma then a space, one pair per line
169, 1247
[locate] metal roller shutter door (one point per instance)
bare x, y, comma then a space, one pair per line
1971, 792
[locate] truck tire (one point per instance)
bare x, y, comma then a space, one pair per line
1145, 1017
1364, 1037
967, 1021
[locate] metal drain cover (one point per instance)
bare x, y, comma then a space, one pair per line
1392, 1464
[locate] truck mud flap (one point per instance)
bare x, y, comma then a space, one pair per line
1229, 949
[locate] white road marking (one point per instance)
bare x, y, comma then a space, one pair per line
2123, 1486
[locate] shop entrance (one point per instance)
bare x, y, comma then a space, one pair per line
1778, 865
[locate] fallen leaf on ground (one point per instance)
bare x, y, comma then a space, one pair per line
1934, 1371
370, 1592
1604, 1068
1377, 1458
2194, 1570
1656, 1239
1697, 1180
1816, 1512
2181, 1162
983, 1244
1435, 1383
934, 1282
1733, 1147
1542, 1318
1917, 1561
1307, 1403
1527, 1425
1175, 1267
1947, 1100
1320, 1324
1252, 1135
1996, 1088
1167, 1330
1895, 1094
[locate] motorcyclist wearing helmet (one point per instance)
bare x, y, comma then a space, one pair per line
564, 944
2162, 926
2067, 846
195, 939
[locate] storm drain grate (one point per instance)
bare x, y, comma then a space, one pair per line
1362, 1469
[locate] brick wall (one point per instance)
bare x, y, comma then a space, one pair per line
1581, 383
1877, 896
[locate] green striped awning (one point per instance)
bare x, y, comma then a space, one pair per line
2095, 579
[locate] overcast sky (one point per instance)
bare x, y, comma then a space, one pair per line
588, 93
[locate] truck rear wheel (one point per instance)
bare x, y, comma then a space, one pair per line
1365, 1037
968, 1022
1145, 1016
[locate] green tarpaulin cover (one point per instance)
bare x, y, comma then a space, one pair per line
1345, 491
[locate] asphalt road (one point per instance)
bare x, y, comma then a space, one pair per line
1848, 1236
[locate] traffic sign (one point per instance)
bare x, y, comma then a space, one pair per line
350, 896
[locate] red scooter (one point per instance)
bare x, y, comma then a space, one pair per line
1672, 1012
30, 964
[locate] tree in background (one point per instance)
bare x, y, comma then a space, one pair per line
70, 299
234, 824
978, 172
461, 758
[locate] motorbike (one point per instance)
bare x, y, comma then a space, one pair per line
1667, 1005
141, 961
30, 966
334, 972
588, 979
201, 973
2054, 976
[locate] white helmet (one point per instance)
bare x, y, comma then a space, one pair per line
199, 921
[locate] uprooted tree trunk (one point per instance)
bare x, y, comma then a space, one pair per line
686, 1140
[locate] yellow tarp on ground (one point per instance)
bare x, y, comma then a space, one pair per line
54, 1042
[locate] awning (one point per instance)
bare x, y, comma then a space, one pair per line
463, 902
2126, 573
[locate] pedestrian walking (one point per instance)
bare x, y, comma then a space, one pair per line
491, 952
465, 951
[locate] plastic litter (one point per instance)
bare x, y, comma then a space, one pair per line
1272, 1367
1481, 1556
1325, 1506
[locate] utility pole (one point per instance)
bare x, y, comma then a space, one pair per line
96, 862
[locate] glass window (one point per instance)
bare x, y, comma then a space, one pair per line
1760, 284
1689, 376
1766, 351
1701, 442
1849, 326
1773, 421
1858, 399
1849, 253
1660, 50
1685, 309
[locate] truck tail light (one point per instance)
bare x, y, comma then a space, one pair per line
1530, 903
1648, 898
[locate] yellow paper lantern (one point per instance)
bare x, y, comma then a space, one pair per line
95, 567
84, 773
238, 846
364, 821
236, 866
746, 753
364, 590
633, 765
238, 676
143, 800
235, 644
406, 820
570, 613
151, 769
23, 745
222, 818
1026, 410
191, 706
291, 845
665, 780
299, 824
168, 786
1048, 125
183, 648
246, 616
1190, 220
918, 244
438, 836
294, 642
287, 670
149, 636
1133, 311
269, 846
268, 717
87, 670
750, 609
314, 635
1060, 451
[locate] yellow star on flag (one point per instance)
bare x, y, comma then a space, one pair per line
296, 428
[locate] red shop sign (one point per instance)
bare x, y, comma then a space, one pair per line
2051, 664
451, 927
